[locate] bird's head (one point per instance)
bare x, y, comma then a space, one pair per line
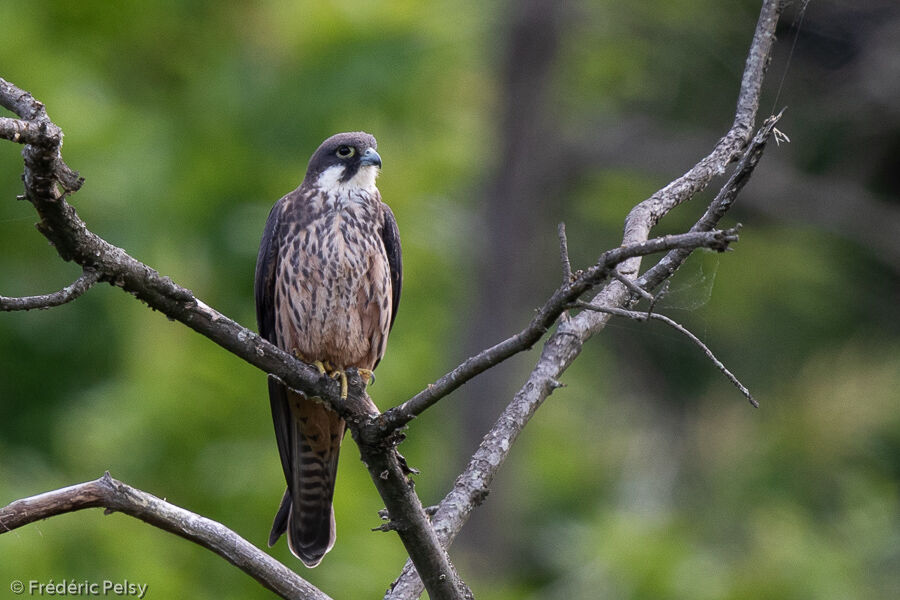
345, 160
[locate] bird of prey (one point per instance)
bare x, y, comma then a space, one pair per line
327, 288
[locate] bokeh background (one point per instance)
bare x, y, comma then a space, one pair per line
647, 476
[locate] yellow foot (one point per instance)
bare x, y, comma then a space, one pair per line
367, 375
340, 374
325, 368
320, 366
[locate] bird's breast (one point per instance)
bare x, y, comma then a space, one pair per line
337, 280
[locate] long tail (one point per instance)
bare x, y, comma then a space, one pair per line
306, 511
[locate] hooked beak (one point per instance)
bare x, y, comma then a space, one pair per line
370, 157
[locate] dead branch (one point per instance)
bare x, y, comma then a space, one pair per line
115, 496
564, 261
717, 208
566, 343
646, 316
87, 279
546, 316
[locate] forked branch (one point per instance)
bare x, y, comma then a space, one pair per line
561, 349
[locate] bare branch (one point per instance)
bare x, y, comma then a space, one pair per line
564, 253
43, 139
21, 132
718, 207
645, 316
45, 170
564, 261
87, 279
116, 496
635, 288
544, 319
472, 486
409, 520
560, 350
20, 102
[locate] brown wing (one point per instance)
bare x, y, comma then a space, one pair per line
390, 237
264, 288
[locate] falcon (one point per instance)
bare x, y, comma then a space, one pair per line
327, 287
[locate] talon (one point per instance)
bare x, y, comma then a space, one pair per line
320, 366
367, 375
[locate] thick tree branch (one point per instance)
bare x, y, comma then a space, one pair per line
42, 136
115, 496
87, 279
408, 518
22, 132
20, 102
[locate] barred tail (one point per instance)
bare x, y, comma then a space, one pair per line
306, 513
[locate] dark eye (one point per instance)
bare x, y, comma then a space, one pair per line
345, 151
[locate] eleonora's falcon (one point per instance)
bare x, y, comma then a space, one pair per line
327, 287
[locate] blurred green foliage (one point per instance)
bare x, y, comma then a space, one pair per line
645, 478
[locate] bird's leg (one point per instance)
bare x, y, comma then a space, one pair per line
323, 367
340, 374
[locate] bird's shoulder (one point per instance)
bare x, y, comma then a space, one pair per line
298, 208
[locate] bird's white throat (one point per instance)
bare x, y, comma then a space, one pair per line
364, 180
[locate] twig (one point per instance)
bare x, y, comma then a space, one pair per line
541, 322
634, 288
644, 316
87, 279
116, 496
718, 207
564, 262
564, 253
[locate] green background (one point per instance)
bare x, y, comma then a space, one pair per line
647, 476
